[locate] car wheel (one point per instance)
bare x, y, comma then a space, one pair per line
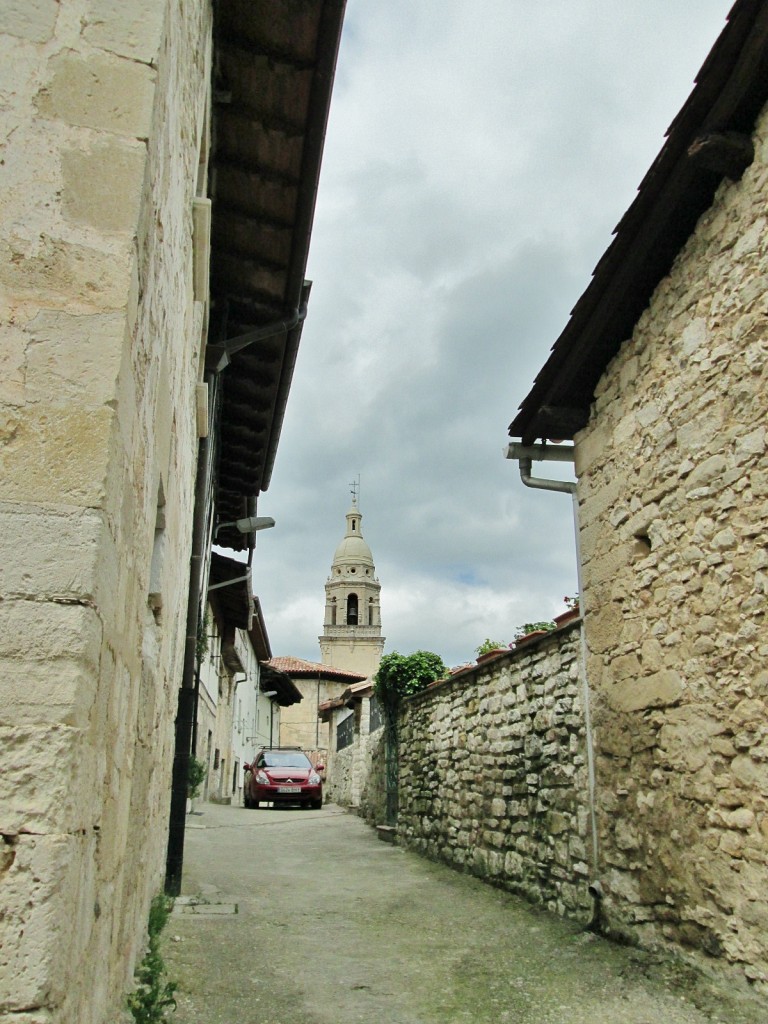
246, 800
316, 804
255, 804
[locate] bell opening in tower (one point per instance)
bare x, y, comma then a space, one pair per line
352, 610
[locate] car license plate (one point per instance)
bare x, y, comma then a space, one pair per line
289, 789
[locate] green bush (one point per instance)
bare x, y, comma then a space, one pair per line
195, 777
400, 675
533, 627
490, 645
153, 996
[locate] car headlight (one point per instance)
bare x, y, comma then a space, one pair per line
314, 779
261, 778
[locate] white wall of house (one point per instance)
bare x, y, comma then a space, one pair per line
256, 720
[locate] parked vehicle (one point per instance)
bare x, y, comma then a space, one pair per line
283, 775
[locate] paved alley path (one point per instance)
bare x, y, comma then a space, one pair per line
336, 927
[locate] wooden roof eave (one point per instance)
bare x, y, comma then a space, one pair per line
245, 468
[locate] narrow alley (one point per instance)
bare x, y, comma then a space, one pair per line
333, 926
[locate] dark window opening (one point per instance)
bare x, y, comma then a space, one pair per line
345, 733
352, 610
377, 716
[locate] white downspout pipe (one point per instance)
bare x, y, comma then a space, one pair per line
525, 455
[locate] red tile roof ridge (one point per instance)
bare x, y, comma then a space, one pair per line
295, 666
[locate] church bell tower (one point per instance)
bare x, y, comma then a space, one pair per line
352, 637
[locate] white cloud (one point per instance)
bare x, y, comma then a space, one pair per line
478, 157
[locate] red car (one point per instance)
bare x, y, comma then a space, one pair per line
282, 775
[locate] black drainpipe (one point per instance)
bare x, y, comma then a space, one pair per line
186, 716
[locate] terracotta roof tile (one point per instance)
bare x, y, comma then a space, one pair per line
297, 667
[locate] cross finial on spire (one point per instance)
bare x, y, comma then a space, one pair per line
355, 489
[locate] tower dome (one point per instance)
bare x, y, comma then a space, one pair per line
353, 556
352, 629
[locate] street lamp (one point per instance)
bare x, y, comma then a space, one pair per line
249, 525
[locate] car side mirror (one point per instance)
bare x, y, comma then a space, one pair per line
319, 767
246, 767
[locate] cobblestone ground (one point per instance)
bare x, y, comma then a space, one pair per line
335, 927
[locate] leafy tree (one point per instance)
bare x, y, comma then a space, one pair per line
400, 675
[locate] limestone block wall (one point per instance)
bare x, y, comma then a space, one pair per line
103, 105
493, 774
348, 781
674, 503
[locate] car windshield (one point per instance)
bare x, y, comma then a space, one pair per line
285, 759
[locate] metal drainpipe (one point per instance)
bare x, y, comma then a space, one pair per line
525, 455
186, 713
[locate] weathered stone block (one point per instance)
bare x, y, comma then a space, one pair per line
103, 184
54, 782
31, 571
30, 19
97, 91
74, 357
12, 366
750, 774
656, 690
64, 272
55, 457
45, 896
132, 30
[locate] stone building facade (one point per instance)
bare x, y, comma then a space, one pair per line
108, 105
674, 505
665, 394
106, 387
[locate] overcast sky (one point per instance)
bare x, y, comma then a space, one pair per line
479, 154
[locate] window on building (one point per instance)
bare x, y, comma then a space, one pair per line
345, 732
376, 719
352, 610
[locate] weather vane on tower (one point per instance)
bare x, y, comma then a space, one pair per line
355, 489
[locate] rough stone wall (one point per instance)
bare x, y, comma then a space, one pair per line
349, 768
373, 784
493, 775
103, 106
673, 504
